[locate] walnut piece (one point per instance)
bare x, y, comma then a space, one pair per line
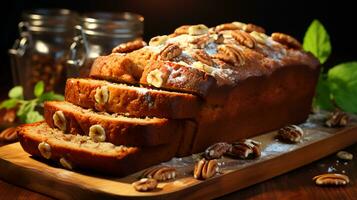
160, 173
286, 40
217, 150
331, 179
145, 184
290, 134
245, 149
205, 169
129, 46
337, 119
170, 51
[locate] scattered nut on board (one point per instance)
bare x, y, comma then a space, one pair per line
337, 119
205, 169
217, 150
245, 149
331, 179
344, 155
145, 184
9, 135
290, 134
160, 173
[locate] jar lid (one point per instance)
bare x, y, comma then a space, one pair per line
53, 20
124, 24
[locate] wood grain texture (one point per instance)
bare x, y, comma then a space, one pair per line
65, 184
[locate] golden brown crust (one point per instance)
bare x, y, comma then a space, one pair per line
119, 131
119, 163
133, 101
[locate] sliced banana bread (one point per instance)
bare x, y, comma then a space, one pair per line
130, 100
117, 129
80, 152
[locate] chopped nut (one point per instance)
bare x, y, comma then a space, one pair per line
199, 29
101, 95
160, 173
286, 40
290, 134
337, 119
97, 133
65, 163
145, 184
331, 179
8, 135
129, 46
155, 78
259, 37
344, 155
158, 40
203, 67
202, 56
205, 169
217, 150
230, 54
244, 38
45, 150
245, 149
219, 39
170, 51
59, 120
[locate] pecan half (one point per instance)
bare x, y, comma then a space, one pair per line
160, 173
145, 184
9, 135
252, 27
200, 42
290, 134
331, 179
182, 30
202, 56
205, 169
217, 150
245, 149
170, 51
244, 38
286, 40
337, 119
227, 26
129, 46
230, 54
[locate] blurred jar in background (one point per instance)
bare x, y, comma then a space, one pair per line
42, 49
97, 34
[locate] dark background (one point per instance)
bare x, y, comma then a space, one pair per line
162, 16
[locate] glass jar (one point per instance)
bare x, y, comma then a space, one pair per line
97, 34
42, 49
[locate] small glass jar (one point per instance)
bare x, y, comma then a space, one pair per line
97, 34
42, 49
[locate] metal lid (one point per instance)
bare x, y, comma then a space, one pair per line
122, 25
53, 20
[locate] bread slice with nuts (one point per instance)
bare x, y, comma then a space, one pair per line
130, 100
117, 129
81, 152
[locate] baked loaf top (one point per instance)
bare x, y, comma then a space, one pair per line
228, 52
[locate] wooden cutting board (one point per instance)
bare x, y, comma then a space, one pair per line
17, 167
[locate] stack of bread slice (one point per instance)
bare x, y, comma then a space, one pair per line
144, 104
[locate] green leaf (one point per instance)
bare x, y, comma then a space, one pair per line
24, 109
317, 41
39, 88
343, 84
33, 116
16, 93
9, 103
322, 99
51, 96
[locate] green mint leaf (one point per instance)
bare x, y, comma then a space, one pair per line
39, 88
33, 116
322, 99
24, 109
16, 93
9, 103
317, 41
51, 96
343, 84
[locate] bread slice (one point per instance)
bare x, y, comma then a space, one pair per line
80, 152
130, 100
119, 130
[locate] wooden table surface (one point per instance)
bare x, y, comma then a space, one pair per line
296, 184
